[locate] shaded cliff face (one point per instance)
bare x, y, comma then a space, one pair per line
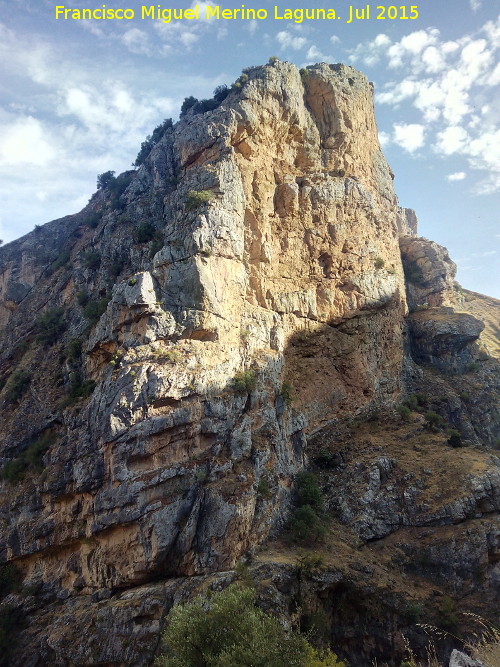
169, 352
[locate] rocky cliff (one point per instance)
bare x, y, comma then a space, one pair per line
175, 353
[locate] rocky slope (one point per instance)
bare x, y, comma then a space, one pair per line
175, 353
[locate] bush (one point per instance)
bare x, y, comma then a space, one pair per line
118, 186
454, 439
105, 179
35, 452
305, 525
244, 382
62, 259
196, 198
92, 220
94, 309
13, 471
434, 421
31, 459
145, 232
226, 629
287, 393
221, 92
263, 488
82, 298
74, 349
187, 104
50, 325
379, 263
91, 260
413, 273
17, 385
308, 491
325, 459
151, 141
416, 402
404, 412
78, 389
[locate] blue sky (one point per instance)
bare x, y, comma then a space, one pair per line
78, 97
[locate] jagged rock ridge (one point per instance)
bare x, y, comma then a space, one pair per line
256, 253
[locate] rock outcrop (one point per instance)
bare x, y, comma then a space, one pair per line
171, 354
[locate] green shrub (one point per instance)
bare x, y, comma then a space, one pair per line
50, 325
17, 385
305, 525
172, 355
116, 268
226, 629
448, 618
187, 104
92, 220
325, 459
78, 389
82, 298
156, 246
91, 260
30, 459
473, 367
416, 402
404, 412
62, 259
308, 491
263, 488
454, 438
74, 349
145, 232
14, 471
434, 421
413, 612
304, 73
287, 393
379, 263
244, 382
273, 59
196, 198
132, 282
151, 141
105, 179
413, 273
34, 453
94, 309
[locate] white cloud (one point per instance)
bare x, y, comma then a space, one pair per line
289, 41
314, 55
475, 5
451, 140
25, 142
409, 136
450, 84
457, 176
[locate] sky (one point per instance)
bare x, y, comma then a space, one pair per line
77, 97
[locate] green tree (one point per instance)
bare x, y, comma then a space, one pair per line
226, 629
105, 179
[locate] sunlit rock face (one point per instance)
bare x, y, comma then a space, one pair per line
170, 353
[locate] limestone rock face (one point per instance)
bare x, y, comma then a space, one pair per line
169, 354
429, 272
275, 256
